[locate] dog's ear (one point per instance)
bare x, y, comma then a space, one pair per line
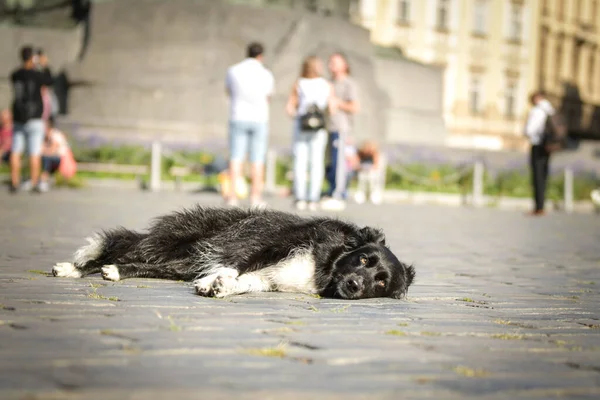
365, 236
372, 235
409, 273
409, 277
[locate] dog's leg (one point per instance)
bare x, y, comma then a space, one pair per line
84, 260
170, 271
230, 284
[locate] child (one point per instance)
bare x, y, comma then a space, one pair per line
371, 174
54, 149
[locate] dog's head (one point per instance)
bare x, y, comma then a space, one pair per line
369, 269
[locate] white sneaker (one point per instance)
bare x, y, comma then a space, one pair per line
333, 204
231, 202
376, 198
258, 204
300, 205
595, 194
27, 186
360, 197
313, 206
43, 187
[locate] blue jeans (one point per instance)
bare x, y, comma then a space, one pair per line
337, 170
309, 154
247, 136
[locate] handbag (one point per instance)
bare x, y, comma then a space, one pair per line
68, 166
313, 119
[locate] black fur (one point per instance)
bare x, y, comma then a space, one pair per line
350, 262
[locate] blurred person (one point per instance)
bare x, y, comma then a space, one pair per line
371, 173
49, 99
27, 109
54, 151
536, 132
352, 165
249, 85
340, 126
6, 132
308, 103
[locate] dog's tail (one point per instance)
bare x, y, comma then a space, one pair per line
108, 247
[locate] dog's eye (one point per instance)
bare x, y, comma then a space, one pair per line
381, 283
363, 259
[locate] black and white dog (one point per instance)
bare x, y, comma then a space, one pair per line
228, 251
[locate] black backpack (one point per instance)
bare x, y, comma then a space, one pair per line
555, 131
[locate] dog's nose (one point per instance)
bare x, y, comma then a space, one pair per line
353, 285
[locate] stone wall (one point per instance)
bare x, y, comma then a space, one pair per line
61, 45
155, 69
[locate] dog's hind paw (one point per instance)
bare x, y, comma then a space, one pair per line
111, 273
65, 270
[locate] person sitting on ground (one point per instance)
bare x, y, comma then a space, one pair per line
371, 174
6, 131
351, 168
54, 149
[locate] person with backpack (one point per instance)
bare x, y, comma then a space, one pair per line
308, 103
545, 130
28, 82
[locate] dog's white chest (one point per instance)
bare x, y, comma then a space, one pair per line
295, 274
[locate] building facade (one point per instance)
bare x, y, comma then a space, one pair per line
487, 49
568, 61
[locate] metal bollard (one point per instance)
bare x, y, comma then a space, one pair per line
478, 184
568, 190
155, 167
270, 173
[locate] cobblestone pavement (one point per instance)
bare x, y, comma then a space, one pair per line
503, 307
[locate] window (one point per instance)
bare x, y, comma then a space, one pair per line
592, 81
475, 95
404, 11
561, 10
575, 66
480, 14
510, 100
515, 22
545, 10
559, 59
578, 10
443, 11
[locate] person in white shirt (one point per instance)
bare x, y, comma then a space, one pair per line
535, 130
54, 149
249, 85
310, 91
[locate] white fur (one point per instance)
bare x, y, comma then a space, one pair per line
111, 273
204, 285
65, 270
294, 274
88, 252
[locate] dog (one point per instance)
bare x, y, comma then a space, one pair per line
230, 251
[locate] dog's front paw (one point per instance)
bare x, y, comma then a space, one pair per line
65, 270
224, 285
204, 286
111, 273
